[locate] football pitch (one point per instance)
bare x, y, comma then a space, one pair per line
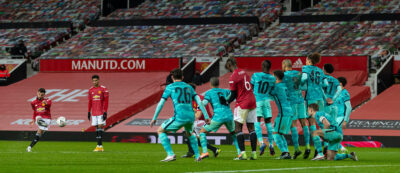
134, 157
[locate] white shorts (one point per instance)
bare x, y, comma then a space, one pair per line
45, 120
250, 115
97, 120
198, 124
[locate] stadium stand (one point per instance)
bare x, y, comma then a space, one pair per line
153, 41
328, 7
266, 10
36, 39
77, 11
376, 115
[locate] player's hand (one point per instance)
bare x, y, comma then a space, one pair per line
152, 123
208, 121
344, 124
32, 122
104, 116
329, 101
89, 115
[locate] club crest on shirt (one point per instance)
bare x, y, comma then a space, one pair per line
99, 92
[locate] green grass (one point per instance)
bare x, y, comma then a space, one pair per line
78, 157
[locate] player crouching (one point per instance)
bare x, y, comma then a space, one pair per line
41, 116
330, 132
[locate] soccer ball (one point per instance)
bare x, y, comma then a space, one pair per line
61, 121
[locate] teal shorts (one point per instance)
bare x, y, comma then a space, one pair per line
264, 109
299, 111
320, 103
214, 126
332, 110
333, 138
340, 121
173, 125
282, 125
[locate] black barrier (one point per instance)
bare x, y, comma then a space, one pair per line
385, 77
176, 21
188, 70
212, 70
18, 74
338, 17
64, 24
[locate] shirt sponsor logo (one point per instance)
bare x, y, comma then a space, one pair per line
96, 96
40, 109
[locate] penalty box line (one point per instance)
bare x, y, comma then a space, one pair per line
295, 168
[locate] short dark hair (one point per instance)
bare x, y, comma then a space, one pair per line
329, 68
342, 80
266, 65
177, 73
214, 81
42, 90
193, 85
314, 106
315, 58
231, 61
95, 76
279, 74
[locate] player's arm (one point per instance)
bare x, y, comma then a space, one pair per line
233, 91
347, 113
158, 110
338, 91
303, 79
325, 122
202, 108
89, 104
105, 105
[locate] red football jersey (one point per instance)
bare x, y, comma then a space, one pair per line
98, 100
196, 108
41, 108
240, 82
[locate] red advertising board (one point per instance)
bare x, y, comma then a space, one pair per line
341, 63
396, 64
109, 65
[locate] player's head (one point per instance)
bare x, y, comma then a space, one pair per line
342, 81
328, 68
231, 64
278, 75
214, 82
40, 93
177, 74
313, 59
96, 80
266, 66
312, 109
286, 65
193, 85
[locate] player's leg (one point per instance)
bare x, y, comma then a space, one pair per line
213, 126
190, 152
239, 120
282, 126
317, 134
257, 124
43, 126
166, 126
193, 139
231, 128
251, 119
293, 131
306, 133
270, 133
35, 140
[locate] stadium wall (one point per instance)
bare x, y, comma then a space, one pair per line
338, 17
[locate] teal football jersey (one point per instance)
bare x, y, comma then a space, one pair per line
222, 111
182, 95
263, 83
319, 116
343, 97
279, 92
292, 80
331, 89
314, 83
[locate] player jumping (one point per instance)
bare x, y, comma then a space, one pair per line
97, 109
330, 132
182, 95
41, 116
283, 121
292, 80
262, 83
222, 115
245, 109
314, 80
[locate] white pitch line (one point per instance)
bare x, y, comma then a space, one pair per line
296, 168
